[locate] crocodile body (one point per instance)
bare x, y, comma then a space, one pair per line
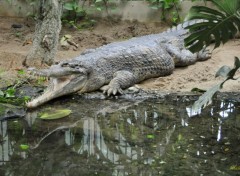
119, 65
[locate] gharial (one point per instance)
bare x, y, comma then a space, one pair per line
119, 65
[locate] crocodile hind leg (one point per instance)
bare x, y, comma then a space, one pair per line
185, 57
181, 57
121, 80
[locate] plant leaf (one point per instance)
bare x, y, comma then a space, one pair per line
206, 99
10, 92
222, 24
195, 89
68, 6
1, 93
21, 72
80, 10
223, 71
232, 72
154, 7
55, 114
99, 8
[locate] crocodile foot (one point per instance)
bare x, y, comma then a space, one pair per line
111, 90
204, 54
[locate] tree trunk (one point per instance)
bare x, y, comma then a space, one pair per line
46, 35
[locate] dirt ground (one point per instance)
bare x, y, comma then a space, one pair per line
15, 44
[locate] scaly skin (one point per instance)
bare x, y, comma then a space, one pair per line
118, 65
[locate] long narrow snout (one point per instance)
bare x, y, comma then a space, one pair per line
47, 96
54, 71
65, 78
59, 87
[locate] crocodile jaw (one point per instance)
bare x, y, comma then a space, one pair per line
59, 87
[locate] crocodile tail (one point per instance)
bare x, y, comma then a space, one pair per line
183, 25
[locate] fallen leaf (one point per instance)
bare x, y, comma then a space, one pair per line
55, 114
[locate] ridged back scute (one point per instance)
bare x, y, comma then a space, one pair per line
181, 28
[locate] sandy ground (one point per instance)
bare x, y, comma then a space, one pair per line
14, 48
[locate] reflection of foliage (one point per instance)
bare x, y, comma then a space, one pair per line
16, 128
88, 146
224, 71
222, 24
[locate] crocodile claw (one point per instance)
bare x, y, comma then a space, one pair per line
204, 54
109, 90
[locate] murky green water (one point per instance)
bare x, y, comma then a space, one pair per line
119, 137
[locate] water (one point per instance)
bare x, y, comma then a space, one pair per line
119, 137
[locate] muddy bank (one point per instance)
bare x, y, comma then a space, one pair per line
15, 44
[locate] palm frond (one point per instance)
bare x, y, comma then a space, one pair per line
228, 73
221, 24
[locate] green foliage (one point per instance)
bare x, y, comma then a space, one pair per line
10, 92
9, 96
107, 5
166, 7
21, 72
201, 0
73, 12
99, 4
224, 71
40, 80
220, 25
32, 3
19, 34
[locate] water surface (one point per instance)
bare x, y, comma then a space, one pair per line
122, 137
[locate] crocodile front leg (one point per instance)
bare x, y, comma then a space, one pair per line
121, 80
